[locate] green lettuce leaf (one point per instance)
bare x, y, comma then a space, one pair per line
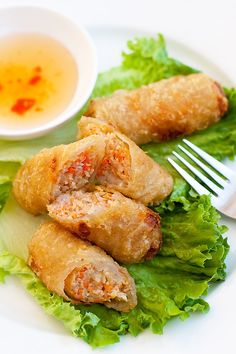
145, 62
194, 250
150, 57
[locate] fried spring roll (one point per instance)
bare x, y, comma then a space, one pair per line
127, 230
125, 167
78, 271
163, 110
57, 170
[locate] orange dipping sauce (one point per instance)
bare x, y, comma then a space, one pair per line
38, 78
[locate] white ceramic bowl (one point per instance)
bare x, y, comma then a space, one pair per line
25, 19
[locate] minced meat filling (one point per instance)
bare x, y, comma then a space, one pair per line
115, 166
89, 285
75, 174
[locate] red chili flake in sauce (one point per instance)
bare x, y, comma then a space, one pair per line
22, 105
35, 80
38, 69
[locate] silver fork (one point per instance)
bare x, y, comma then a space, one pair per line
222, 190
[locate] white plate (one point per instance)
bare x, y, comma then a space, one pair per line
24, 328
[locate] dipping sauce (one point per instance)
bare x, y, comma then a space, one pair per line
38, 78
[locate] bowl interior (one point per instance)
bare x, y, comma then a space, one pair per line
73, 37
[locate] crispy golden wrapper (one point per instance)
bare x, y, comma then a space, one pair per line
163, 110
124, 228
79, 271
57, 170
125, 167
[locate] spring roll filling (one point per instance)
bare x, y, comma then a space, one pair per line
91, 129
75, 174
91, 285
116, 164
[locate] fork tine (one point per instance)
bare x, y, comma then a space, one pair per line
210, 172
218, 166
193, 183
203, 178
